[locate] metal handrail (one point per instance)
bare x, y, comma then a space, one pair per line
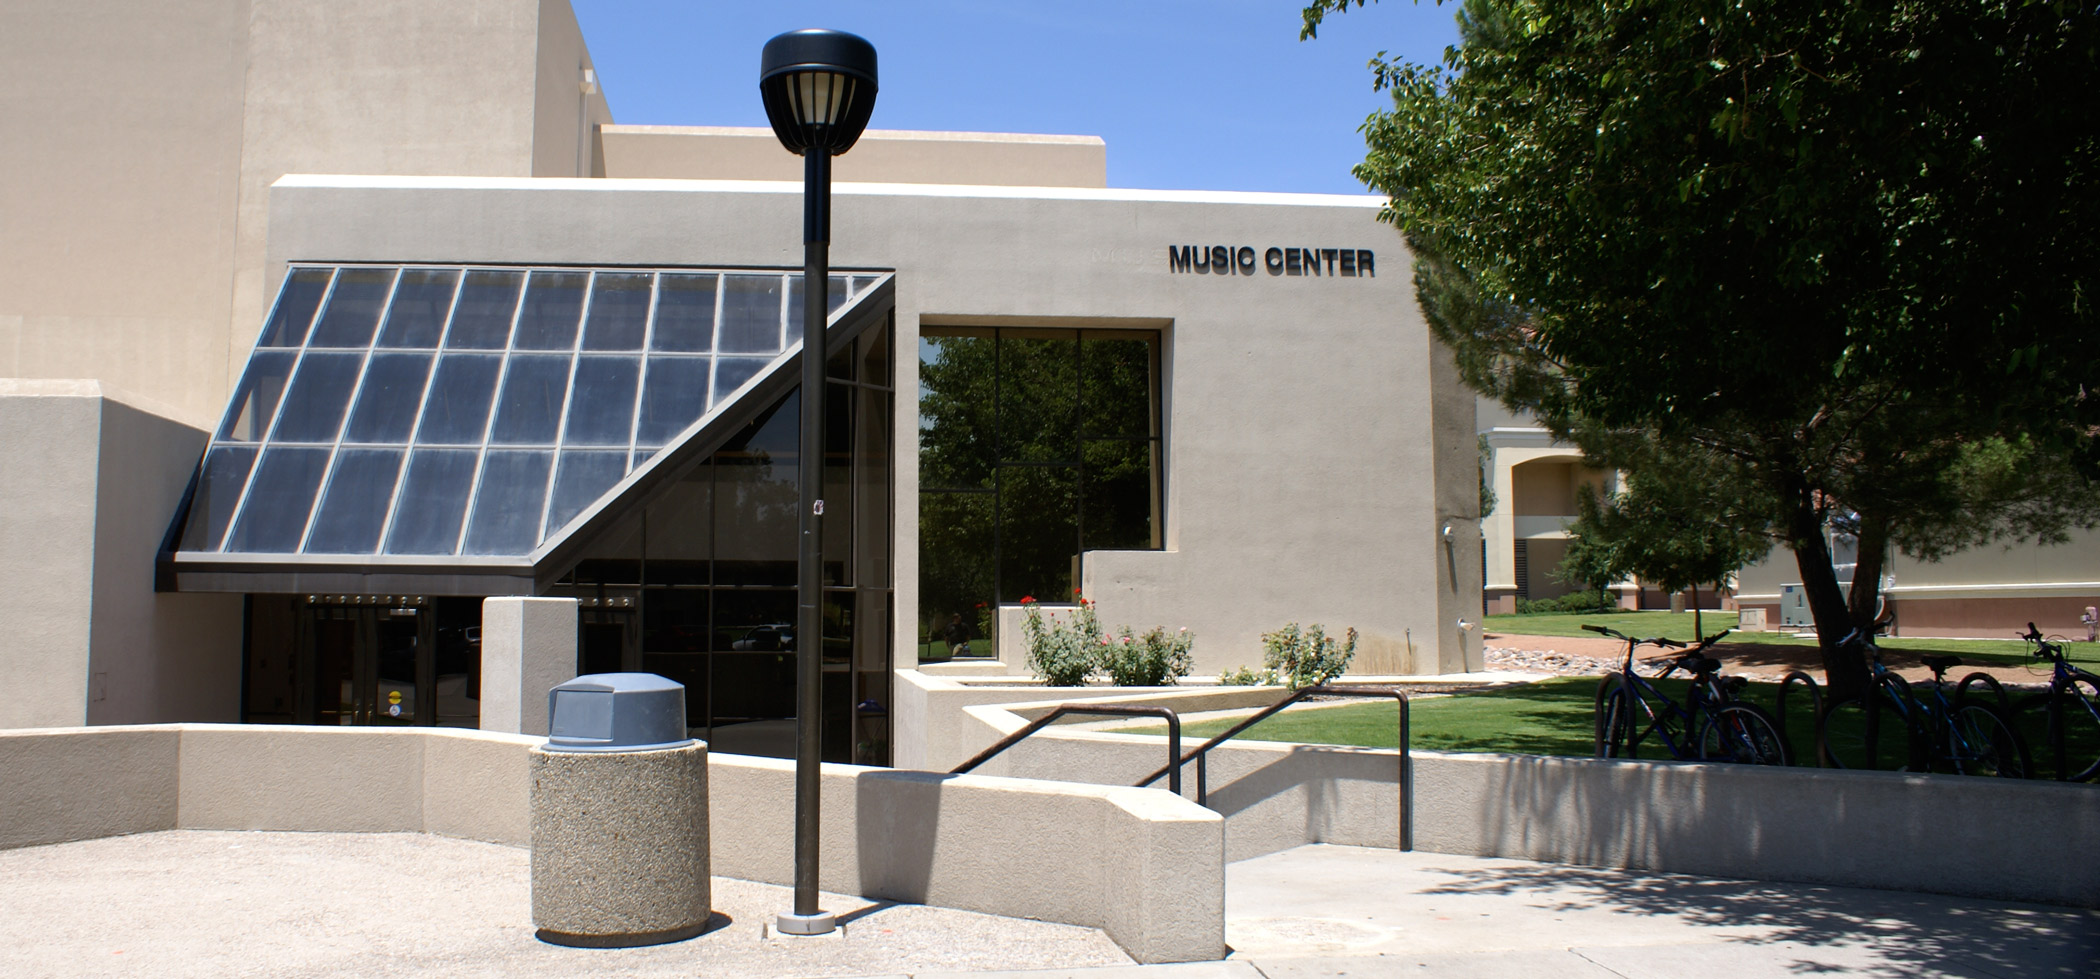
1201, 753
1172, 770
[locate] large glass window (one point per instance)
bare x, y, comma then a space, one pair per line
1035, 446
710, 574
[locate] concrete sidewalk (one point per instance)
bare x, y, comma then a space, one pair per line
1334, 910
181, 904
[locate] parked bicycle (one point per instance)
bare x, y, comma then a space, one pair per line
2072, 709
1893, 727
1713, 724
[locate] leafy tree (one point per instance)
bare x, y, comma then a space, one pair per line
1665, 529
1832, 258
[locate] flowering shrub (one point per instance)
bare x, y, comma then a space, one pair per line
1247, 676
1307, 658
1155, 659
1062, 653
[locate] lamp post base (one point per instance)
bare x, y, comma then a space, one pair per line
821, 923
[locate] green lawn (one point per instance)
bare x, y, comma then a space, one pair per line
1678, 626
1552, 717
1549, 717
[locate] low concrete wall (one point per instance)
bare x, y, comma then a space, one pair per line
1939, 833
1145, 867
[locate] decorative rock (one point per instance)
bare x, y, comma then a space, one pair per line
619, 846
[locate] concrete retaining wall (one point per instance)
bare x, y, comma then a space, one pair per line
1945, 834
1142, 865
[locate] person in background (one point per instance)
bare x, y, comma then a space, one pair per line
2091, 618
957, 634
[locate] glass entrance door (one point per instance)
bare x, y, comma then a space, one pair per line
372, 664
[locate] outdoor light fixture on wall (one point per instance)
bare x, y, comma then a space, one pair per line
819, 89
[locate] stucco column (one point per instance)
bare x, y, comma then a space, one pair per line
528, 645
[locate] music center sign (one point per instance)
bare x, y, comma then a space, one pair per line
1244, 260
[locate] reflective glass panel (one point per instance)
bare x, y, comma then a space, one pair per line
957, 380
602, 410
580, 480
388, 398
353, 509
681, 530
755, 501
433, 501
1038, 533
509, 502
481, 320
458, 407
1118, 495
685, 314
732, 372
218, 492
529, 410
416, 318
1116, 387
353, 308
674, 394
751, 314
841, 287
255, 400
553, 303
1038, 397
296, 303
619, 311
278, 503
313, 409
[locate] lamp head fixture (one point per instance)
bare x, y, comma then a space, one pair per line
819, 89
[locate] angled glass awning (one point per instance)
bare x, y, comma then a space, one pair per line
461, 418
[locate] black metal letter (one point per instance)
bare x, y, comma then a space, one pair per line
1177, 258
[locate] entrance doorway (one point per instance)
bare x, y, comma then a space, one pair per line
364, 660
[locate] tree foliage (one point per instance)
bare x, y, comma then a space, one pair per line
1783, 261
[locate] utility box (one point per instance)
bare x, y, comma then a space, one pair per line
1794, 612
619, 816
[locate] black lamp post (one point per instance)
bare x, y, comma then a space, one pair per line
819, 87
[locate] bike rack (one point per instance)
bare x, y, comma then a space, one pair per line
1173, 769
1201, 754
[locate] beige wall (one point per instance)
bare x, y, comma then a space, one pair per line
1142, 865
1302, 452
881, 156
1987, 592
144, 137
91, 484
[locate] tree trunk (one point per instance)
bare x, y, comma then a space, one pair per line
1866, 575
1697, 632
1844, 671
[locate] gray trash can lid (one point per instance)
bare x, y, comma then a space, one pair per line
616, 712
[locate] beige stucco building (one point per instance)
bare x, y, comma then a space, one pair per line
1986, 592
273, 466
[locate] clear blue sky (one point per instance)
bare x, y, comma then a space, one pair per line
1189, 94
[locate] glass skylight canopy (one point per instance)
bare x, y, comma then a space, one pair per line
429, 414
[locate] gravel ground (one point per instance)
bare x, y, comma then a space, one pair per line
195, 903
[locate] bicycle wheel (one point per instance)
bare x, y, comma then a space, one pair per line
2074, 723
1980, 742
1983, 688
1614, 718
1903, 709
1862, 734
1791, 723
1745, 734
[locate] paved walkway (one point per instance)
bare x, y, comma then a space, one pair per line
185, 904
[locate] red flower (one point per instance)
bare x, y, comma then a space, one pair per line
980, 604
1027, 599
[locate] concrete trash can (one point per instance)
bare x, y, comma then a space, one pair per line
619, 816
